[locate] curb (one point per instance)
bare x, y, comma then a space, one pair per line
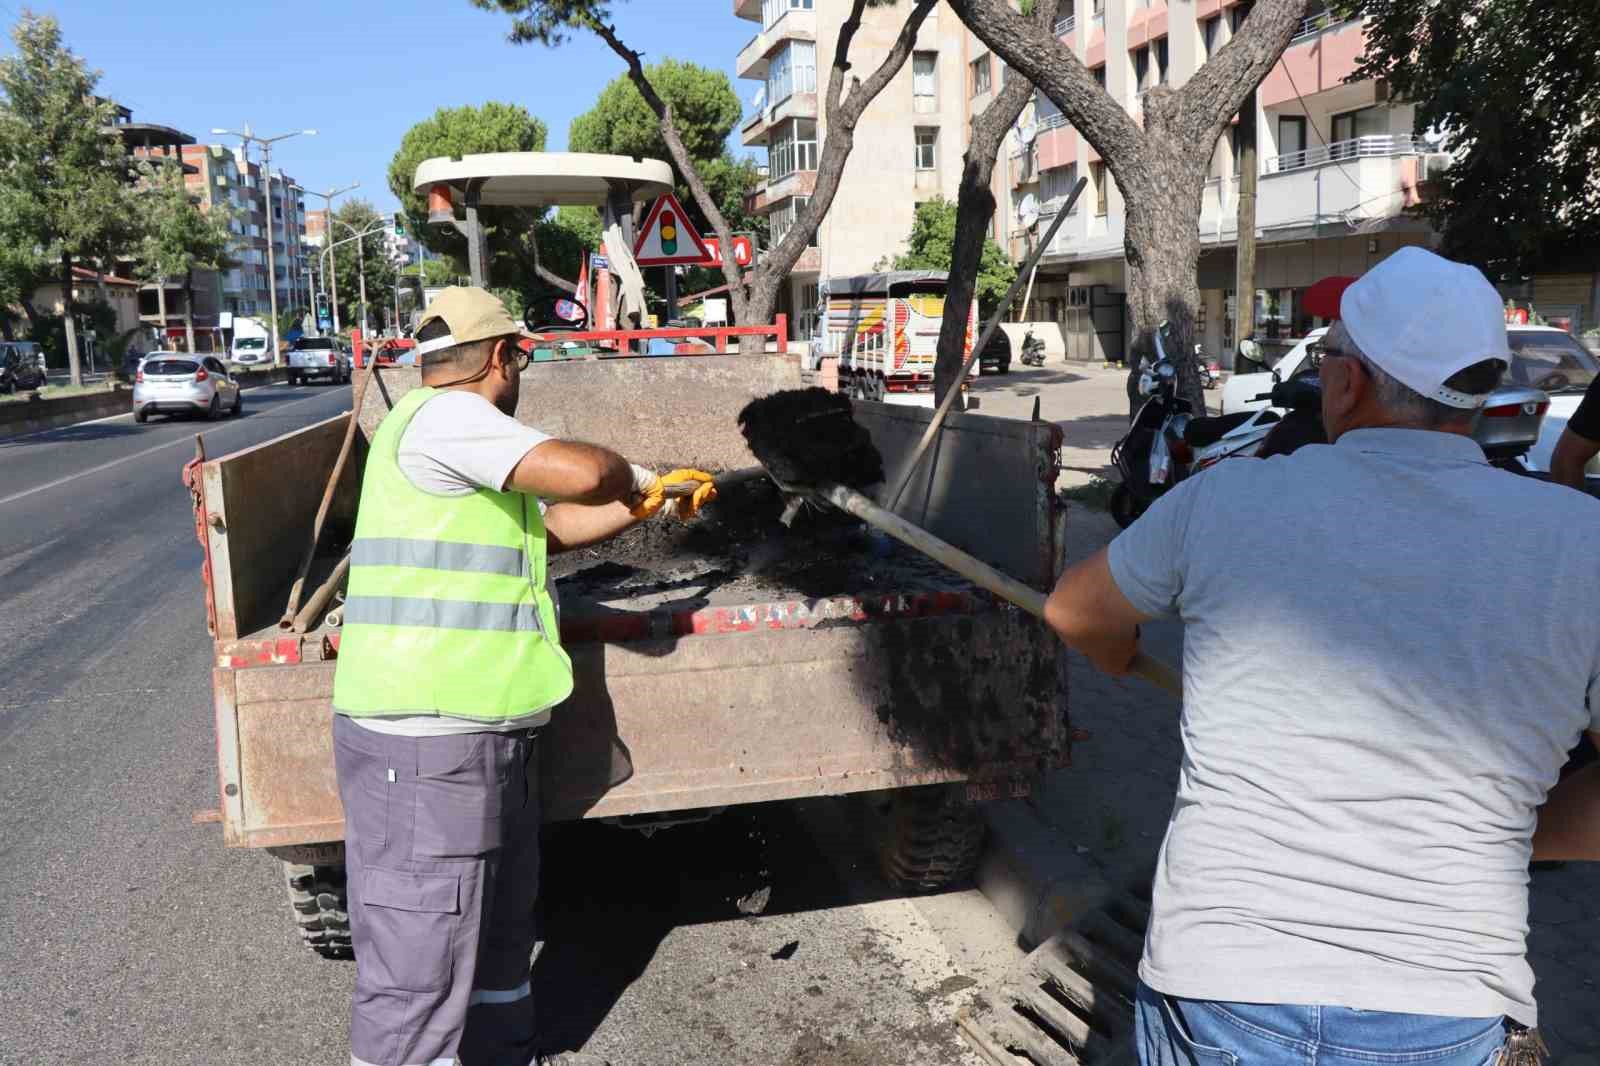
1033, 876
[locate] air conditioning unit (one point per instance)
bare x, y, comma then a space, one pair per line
1433, 164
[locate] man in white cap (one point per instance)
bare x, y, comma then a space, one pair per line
449, 660
1390, 646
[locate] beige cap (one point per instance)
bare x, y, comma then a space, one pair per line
473, 314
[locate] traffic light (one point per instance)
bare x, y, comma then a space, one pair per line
399, 224
669, 233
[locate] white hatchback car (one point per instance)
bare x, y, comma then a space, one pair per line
179, 383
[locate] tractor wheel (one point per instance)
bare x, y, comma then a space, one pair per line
932, 839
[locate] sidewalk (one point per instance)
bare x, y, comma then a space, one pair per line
1100, 822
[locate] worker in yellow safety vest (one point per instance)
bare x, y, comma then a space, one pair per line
449, 662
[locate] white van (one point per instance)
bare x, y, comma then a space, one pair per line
251, 342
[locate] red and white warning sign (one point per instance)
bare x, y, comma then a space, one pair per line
667, 238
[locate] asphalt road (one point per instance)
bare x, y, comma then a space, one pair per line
132, 936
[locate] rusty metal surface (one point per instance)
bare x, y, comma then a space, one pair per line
701, 721
660, 412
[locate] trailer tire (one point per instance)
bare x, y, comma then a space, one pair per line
319, 907
933, 838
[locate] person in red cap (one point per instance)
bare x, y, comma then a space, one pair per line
1372, 731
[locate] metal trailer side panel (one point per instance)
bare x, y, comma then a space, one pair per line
704, 721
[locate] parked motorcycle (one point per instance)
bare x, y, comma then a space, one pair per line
1032, 350
1209, 372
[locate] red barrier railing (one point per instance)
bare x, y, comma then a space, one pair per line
623, 339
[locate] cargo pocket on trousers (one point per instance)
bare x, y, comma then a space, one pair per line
459, 797
411, 925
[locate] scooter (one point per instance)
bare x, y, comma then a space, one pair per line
1032, 350
1210, 374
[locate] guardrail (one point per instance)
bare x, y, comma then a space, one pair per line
1387, 144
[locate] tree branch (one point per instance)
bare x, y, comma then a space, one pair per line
1032, 48
1215, 92
681, 157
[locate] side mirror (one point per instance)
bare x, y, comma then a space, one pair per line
572, 313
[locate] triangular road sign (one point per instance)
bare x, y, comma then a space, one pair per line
667, 238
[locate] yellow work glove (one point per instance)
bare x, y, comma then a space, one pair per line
705, 490
649, 493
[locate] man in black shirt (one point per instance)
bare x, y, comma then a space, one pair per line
1579, 442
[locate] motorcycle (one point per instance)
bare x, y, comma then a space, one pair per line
1209, 372
1032, 350
1159, 448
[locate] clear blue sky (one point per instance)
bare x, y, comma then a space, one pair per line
360, 72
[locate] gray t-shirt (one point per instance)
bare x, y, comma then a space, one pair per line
456, 444
1389, 648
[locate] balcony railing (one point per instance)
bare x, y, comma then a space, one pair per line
1052, 121
1312, 25
1066, 25
1387, 144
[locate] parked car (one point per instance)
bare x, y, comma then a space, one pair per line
318, 359
1512, 422
19, 368
177, 383
996, 355
1553, 361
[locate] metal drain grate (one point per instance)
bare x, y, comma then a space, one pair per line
1070, 1002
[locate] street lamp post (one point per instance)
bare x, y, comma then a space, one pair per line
361, 262
246, 137
327, 240
332, 274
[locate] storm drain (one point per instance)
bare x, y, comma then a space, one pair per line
1070, 1002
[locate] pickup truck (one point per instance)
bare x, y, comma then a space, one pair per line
318, 358
722, 662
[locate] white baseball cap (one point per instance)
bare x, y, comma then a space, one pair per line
1420, 318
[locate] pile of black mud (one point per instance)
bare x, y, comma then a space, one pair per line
737, 551
810, 436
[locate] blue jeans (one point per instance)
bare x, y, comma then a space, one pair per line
1191, 1032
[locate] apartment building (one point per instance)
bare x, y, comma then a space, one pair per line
908, 145
1338, 166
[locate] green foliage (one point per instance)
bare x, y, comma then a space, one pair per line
452, 131
704, 107
438, 273
933, 236
353, 217
63, 183
178, 236
1516, 85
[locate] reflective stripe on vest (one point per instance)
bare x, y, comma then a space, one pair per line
447, 612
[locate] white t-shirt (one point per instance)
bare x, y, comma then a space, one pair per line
1389, 648
455, 445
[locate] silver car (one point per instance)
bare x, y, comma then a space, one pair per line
178, 383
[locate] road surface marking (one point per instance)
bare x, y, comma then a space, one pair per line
125, 459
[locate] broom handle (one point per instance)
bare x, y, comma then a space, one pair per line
903, 476
1009, 588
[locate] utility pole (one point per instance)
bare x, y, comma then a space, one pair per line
248, 137
327, 241
1244, 285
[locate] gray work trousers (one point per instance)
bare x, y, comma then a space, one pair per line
442, 854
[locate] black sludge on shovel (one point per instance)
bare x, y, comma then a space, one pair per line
807, 436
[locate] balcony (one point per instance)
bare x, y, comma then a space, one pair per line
1066, 25
750, 10
759, 125
1323, 55
793, 26
1363, 179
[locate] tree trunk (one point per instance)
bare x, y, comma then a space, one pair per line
73, 369
1163, 257
161, 309
188, 309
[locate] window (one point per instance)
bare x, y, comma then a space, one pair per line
1161, 61
1045, 112
927, 148
792, 70
1099, 75
1367, 122
981, 76
773, 10
1236, 17
1211, 34
793, 147
806, 320
1097, 178
1141, 68
1055, 185
783, 218
1291, 134
925, 79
